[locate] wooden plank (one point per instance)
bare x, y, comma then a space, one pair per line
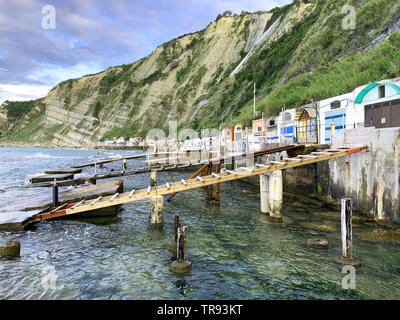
52, 177
63, 171
191, 177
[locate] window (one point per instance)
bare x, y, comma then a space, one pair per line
335, 105
259, 129
381, 91
271, 122
287, 116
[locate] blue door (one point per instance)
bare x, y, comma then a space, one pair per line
339, 118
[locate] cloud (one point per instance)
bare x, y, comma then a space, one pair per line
22, 92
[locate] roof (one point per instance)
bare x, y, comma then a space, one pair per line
363, 93
310, 110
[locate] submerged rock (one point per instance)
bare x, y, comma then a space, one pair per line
317, 243
326, 226
380, 235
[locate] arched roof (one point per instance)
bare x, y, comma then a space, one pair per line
362, 94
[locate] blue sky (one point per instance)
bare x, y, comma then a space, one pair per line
91, 36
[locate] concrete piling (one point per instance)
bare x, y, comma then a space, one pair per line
347, 236
156, 211
276, 195
10, 249
153, 178
182, 264
264, 193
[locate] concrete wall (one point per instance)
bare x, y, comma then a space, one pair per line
370, 178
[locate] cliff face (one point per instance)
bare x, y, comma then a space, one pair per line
199, 79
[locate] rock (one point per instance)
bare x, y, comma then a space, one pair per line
318, 243
171, 246
347, 262
10, 250
326, 226
181, 267
380, 235
299, 205
243, 244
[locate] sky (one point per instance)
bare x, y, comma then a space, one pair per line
42, 46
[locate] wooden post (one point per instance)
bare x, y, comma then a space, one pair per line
347, 236
156, 211
347, 233
55, 195
264, 193
181, 244
172, 244
218, 185
153, 178
210, 187
182, 264
124, 165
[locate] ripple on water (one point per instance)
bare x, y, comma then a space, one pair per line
236, 252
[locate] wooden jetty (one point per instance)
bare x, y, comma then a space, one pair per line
20, 215
162, 167
198, 182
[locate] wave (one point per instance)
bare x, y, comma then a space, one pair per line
40, 155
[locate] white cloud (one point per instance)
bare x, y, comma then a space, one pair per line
54, 74
19, 92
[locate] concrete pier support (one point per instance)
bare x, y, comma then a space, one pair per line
276, 195
156, 211
10, 250
264, 193
153, 178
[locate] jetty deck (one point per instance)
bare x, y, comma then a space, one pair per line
198, 182
165, 165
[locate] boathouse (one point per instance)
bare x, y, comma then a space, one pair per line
379, 104
286, 126
335, 115
306, 124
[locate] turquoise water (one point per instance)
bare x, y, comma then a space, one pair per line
236, 252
